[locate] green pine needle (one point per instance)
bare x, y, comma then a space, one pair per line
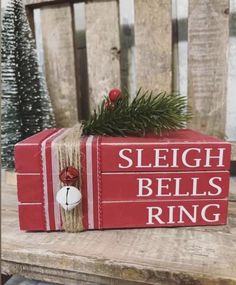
147, 113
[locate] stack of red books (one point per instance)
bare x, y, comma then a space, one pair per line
178, 179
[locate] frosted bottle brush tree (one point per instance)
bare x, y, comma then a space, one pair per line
26, 106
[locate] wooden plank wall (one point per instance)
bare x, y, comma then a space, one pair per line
103, 49
81, 60
208, 34
152, 29
59, 61
179, 46
231, 98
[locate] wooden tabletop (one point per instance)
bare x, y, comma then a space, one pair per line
197, 255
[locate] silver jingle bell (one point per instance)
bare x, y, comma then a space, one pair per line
68, 197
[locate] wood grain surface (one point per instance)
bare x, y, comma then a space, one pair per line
208, 33
59, 62
103, 49
39, 3
198, 255
152, 30
233, 151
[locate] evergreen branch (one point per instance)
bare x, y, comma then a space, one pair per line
147, 113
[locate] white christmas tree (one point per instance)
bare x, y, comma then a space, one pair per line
26, 105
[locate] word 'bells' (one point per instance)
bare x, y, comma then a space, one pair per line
68, 197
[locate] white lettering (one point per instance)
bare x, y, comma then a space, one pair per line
184, 157
122, 155
141, 187
155, 216
194, 188
160, 186
216, 216
171, 214
193, 218
158, 157
219, 157
139, 159
177, 188
217, 187
175, 155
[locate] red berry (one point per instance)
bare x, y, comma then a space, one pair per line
114, 95
69, 175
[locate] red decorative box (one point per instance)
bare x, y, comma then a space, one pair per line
180, 179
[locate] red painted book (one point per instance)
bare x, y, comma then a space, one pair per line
178, 179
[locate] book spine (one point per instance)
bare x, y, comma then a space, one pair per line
27, 153
37, 182
159, 186
165, 157
164, 213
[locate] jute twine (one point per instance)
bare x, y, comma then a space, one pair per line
69, 155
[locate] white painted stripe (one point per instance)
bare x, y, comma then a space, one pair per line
165, 172
28, 173
55, 176
45, 183
160, 201
26, 204
163, 143
89, 169
26, 144
98, 186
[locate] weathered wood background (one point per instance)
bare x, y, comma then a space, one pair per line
89, 47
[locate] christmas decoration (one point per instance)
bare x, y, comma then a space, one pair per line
114, 95
180, 178
69, 175
26, 106
149, 112
68, 197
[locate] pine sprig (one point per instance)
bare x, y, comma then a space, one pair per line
149, 112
